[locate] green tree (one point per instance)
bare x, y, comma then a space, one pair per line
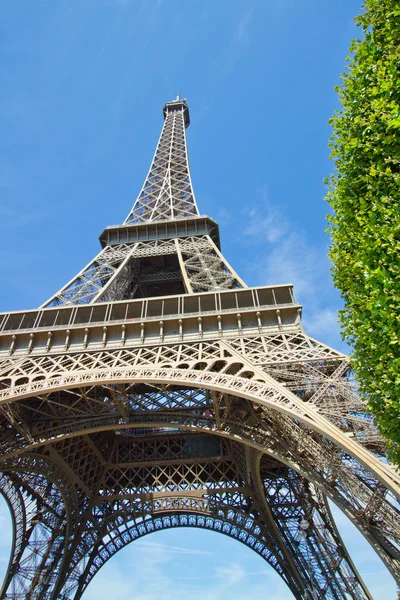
364, 193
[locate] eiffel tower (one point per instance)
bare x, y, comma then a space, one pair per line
156, 390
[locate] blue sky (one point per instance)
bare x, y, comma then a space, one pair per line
83, 84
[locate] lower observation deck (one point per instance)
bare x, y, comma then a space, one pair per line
136, 322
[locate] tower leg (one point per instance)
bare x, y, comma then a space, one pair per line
42, 519
309, 532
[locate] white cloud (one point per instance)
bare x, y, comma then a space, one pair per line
242, 31
156, 547
323, 324
230, 573
282, 253
286, 255
270, 225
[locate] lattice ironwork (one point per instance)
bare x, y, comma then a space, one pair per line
167, 191
156, 390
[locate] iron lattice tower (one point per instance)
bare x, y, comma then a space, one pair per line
157, 390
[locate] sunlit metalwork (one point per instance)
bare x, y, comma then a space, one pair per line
157, 390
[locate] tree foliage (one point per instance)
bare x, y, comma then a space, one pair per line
364, 193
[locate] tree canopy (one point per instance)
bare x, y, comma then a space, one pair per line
364, 193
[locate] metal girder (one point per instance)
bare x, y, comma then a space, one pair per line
87, 285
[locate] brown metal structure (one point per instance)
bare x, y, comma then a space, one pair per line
157, 390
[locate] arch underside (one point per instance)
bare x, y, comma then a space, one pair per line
227, 504
313, 562
300, 415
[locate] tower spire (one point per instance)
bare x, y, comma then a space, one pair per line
164, 246
167, 192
